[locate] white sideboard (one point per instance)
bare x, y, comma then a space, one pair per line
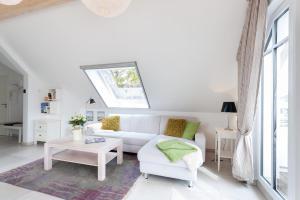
45, 130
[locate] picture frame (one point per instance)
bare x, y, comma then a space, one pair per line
100, 115
89, 115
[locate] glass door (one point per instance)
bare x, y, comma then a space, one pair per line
274, 157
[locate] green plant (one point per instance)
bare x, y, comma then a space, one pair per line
126, 78
77, 121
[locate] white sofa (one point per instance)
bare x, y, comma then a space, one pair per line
137, 130
140, 133
152, 161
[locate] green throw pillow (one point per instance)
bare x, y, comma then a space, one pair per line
190, 130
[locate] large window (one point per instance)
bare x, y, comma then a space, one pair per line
119, 85
275, 106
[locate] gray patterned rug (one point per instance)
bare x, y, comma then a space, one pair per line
76, 182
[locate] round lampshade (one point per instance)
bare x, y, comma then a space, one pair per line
107, 8
10, 2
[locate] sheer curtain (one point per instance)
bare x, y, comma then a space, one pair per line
249, 66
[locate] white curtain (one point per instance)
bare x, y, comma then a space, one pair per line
249, 66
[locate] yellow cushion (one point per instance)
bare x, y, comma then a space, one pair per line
111, 123
175, 127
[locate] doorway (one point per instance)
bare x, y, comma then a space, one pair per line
11, 105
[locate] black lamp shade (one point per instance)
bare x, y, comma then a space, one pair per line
229, 107
92, 101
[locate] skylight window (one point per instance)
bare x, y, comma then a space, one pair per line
119, 85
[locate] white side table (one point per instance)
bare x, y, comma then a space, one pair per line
222, 133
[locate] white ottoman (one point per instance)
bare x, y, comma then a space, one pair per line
153, 161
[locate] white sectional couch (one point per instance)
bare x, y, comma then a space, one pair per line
135, 130
140, 133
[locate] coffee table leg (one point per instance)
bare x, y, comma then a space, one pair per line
120, 154
101, 166
48, 157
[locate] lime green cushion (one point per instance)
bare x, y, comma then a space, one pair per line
190, 130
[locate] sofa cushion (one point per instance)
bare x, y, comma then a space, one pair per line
140, 123
129, 138
190, 130
111, 123
164, 121
151, 154
175, 127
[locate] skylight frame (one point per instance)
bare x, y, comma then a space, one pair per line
117, 65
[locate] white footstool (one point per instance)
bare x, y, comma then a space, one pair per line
153, 161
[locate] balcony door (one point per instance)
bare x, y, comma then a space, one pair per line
274, 155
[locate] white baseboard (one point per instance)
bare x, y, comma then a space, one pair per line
28, 143
267, 191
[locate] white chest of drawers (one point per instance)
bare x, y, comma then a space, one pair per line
46, 130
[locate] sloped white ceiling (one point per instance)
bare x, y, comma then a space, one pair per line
4, 63
185, 49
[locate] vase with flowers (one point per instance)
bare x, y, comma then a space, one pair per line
77, 122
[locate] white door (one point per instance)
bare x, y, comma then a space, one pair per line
3, 102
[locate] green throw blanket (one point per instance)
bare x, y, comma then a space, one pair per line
175, 150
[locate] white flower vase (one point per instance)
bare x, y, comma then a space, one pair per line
77, 134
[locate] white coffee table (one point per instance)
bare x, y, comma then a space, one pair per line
96, 154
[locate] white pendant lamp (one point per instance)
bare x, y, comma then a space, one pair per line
107, 8
10, 2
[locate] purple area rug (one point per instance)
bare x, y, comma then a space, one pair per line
74, 181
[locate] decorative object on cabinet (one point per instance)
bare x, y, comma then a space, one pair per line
45, 107
50, 107
53, 95
51, 103
45, 130
229, 107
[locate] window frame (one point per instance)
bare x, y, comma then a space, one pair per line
271, 37
116, 65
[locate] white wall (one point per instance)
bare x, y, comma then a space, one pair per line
31, 82
70, 104
186, 53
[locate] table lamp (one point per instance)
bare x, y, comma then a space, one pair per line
228, 107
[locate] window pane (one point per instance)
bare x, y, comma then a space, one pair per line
119, 87
282, 120
269, 43
267, 116
283, 27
